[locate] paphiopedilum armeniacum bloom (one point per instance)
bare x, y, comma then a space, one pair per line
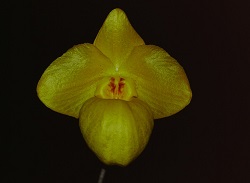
116, 86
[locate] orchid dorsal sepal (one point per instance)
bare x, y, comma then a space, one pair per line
116, 87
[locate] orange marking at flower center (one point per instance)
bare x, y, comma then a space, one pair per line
121, 85
116, 87
112, 85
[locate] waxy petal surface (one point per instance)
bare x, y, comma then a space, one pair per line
117, 37
160, 81
116, 130
72, 78
116, 87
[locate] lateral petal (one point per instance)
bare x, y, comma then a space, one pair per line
160, 81
117, 37
116, 130
71, 79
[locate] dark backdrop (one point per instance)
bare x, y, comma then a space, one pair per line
206, 142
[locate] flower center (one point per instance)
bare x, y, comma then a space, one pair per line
116, 87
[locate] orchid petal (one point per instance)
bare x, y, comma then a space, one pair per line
72, 78
116, 130
117, 37
160, 81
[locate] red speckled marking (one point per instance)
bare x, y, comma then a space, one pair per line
121, 85
112, 85
116, 87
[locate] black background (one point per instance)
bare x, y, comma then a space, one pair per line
206, 142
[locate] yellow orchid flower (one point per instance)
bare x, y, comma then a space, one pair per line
116, 86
